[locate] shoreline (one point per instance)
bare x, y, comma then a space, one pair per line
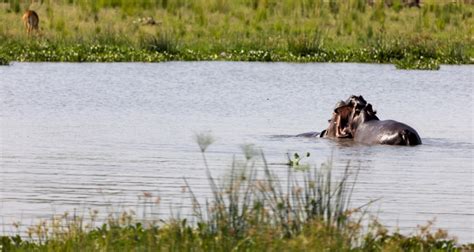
113, 53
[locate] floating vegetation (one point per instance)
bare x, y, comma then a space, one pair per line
294, 162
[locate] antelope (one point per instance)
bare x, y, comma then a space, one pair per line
31, 21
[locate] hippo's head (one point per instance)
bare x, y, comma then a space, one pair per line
362, 115
356, 102
339, 122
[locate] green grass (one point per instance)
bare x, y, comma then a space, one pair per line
252, 209
242, 30
417, 63
3, 61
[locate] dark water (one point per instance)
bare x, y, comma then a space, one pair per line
79, 136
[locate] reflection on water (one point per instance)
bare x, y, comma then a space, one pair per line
79, 136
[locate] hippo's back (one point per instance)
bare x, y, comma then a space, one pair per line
386, 132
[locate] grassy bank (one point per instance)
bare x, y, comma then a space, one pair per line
252, 209
245, 30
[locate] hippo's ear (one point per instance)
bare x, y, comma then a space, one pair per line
369, 109
351, 100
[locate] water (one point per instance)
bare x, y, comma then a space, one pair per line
79, 136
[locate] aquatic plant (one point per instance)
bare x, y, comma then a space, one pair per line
204, 140
294, 161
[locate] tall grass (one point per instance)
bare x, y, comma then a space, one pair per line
265, 30
249, 198
251, 209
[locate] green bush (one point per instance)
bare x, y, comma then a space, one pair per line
4, 61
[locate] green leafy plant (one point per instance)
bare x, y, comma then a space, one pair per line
295, 160
4, 61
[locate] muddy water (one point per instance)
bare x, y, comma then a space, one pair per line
80, 136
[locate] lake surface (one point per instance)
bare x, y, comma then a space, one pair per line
80, 136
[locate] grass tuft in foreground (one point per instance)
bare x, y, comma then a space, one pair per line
252, 209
